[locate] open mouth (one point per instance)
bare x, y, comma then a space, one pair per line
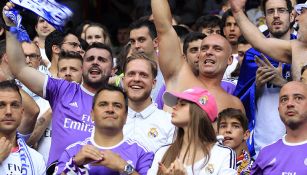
95, 71
209, 61
227, 139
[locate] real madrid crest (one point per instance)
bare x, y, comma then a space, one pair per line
153, 133
210, 168
203, 100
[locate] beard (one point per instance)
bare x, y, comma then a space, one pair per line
139, 98
96, 84
292, 124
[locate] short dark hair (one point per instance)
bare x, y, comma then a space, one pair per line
145, 23
65, 55
208, 21
2, 49
288, 2
304, 68
10, 84
181, 31
193, 36
227, 14
98, 45
54, 38
142, 56
242, 40
108, 87
233, 113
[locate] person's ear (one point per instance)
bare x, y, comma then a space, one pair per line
246, 135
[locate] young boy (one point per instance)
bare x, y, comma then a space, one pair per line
233, 125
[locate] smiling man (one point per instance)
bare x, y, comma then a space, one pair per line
146, 123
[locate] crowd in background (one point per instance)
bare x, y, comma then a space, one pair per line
157, 87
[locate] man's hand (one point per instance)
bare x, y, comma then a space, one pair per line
5, 148
7, 7
112, 161
268, 73
87, 154
237, 5
176, 168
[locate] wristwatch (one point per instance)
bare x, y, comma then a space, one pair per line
128, 169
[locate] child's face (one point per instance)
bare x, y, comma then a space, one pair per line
232, 130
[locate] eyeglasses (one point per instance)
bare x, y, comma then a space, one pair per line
73, 44
32, 56
272, 11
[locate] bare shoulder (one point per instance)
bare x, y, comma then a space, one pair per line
237, 103
230, 101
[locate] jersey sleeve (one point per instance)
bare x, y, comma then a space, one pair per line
65, 157
144, 162
54, 89
229, 164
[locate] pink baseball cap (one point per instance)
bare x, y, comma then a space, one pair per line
200, 96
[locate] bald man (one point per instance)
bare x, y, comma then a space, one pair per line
215, 56
287, 155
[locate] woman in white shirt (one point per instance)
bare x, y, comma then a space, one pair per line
194, 150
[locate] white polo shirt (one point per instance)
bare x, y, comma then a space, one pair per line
152, 127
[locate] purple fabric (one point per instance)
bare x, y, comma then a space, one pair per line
280, 158
159, 100
228, 86
129, 150
71, 122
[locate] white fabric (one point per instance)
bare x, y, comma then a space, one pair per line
219, 163
12, 164
45, 141
44, 57
152, 127
268, 125
231, 68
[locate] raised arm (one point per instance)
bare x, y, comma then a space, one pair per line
31, 77
275, 48
170, 54
31, 111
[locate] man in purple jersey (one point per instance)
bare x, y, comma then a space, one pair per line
106, 151
70, 102
287, 156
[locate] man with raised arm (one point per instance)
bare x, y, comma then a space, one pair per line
214, 57
294, 51
70, 102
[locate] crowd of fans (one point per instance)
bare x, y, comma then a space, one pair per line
225, 95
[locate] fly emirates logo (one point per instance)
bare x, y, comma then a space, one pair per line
85, 125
